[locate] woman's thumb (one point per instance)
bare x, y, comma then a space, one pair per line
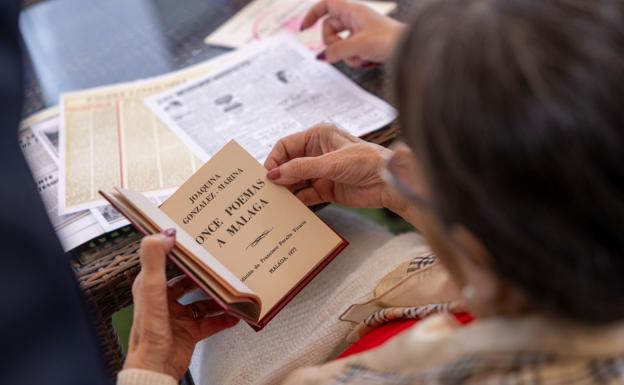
154, 250
301, 169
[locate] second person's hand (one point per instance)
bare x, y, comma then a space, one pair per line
372, 38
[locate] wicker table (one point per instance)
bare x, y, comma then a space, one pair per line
106, 272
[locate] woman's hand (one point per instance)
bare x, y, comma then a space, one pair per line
164, 333
372, 38
337, 166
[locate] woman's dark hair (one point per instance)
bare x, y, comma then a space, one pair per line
516, 110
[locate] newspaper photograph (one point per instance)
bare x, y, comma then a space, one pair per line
272, 89
265, 18
110, 219
109, 138
46, 128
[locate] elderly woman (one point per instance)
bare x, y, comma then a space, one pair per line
512, 171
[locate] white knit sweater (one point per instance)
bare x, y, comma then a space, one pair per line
144, 377
307, 331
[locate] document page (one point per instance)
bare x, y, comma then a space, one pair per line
264, 18
109, 138
272, 89
260, 231
110, 219
38, 139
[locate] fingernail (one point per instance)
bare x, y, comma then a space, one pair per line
274, 174
321, 56
369, 64
170, 232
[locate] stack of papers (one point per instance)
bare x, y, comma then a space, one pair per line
150, 135
273, 89
261, 19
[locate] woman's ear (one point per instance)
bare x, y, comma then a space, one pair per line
485, 291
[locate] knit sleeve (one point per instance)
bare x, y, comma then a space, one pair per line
144, 377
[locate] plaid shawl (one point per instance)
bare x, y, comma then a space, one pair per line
527, 350
521, 368
436, 352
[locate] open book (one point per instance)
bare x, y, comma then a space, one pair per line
250, 244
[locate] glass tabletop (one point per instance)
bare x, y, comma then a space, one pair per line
77, 44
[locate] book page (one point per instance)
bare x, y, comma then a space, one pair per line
109, 138
264, 18
154, 215
272, 89
260, 231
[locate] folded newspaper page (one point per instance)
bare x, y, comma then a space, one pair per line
108, 138
271, 89
264, 18
38, 139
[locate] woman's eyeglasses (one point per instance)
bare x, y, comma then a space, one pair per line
397, 172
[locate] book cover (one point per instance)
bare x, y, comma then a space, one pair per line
242, 238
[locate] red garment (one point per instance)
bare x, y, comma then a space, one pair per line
385, 332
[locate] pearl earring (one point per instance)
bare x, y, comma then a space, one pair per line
469, 293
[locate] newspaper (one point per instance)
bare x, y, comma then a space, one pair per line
45, 127
265, 18
110, 219
38, 139
108, 138
272, 89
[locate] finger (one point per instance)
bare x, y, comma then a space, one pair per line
369, 65
153, 254
339, 9
294, 188
150, 287
331, 28
202, 309
212, 325
138, 306
355, 62
301, 169
310, 197
317, 11
343, 49
180, 286
305, 143
285, 149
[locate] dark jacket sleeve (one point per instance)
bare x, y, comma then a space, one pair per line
45, 335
